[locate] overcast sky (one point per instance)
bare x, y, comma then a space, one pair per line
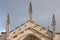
18, 10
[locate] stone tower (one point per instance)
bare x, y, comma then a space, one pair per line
7, 25
53, 25
30, 11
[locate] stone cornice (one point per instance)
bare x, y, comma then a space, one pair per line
36, 32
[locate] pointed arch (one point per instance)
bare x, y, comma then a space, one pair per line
31, 37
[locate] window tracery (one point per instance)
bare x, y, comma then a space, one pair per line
31, 37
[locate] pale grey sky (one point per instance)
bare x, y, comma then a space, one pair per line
18, 10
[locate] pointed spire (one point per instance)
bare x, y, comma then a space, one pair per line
7, 25
8, 19
53, 20
30, 11
53, 25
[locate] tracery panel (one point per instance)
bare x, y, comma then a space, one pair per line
31, 37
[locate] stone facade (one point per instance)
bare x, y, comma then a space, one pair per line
3, 36
30, 30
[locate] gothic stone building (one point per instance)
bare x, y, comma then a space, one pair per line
30, 30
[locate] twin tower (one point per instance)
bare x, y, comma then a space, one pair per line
30, 18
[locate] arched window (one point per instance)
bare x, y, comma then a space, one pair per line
31, 37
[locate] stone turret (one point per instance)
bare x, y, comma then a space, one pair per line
7, 25
53, 25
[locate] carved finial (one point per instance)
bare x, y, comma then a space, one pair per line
53, 25
8, 19
53, 20
7, 25
30, 11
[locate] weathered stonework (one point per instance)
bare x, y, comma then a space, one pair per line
30, 31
